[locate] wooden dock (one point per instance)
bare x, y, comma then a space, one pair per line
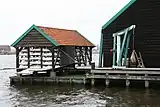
106, 74
48, 80
127, 74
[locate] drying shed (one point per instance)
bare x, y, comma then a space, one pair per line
43, 47
143, 14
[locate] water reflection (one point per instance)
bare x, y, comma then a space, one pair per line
65, 95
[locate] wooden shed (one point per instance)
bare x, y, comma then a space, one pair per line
43, 47
143, 14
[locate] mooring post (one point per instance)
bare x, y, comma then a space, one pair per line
146, 84
146, 81
92, 81
127, 81
107, 80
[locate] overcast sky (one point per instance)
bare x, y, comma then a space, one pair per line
85, 16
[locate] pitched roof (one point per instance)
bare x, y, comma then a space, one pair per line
58, 37
66, 37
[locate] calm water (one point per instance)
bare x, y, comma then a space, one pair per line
70, 95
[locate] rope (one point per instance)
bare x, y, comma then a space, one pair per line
67, 55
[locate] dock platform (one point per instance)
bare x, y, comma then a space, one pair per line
106, 74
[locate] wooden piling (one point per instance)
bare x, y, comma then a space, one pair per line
92, 82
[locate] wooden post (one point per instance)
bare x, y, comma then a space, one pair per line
41, 57
17, 58
146, 84
92, 81
85, 49
146, 81
107, 80
90, 54
28, 50
53, 64
127, 81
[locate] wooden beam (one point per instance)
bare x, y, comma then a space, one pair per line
17, 58
82, 56
85, 49
41, 57
90, 51
53, 64
28, 50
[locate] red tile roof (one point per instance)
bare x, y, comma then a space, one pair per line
66, 37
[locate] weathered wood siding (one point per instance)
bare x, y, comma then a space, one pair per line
34, 39
143, 14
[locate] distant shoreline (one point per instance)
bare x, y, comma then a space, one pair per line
8, 54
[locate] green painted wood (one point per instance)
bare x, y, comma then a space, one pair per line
101, 51
126, 49
114, 50
118, 14
122, 48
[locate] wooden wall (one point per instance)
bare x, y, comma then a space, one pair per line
35, 39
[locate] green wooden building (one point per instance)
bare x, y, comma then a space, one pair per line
143, 14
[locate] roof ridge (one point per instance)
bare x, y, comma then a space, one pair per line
56, 28
119, 13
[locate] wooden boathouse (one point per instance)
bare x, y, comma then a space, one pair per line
45, 48
143, 14
133, 32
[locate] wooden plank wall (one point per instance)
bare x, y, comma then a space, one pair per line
35, 39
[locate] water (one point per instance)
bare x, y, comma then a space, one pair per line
65, 95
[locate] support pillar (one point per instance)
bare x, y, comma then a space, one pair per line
114, 50
17, 58
41, 57
92, 82
146, 81
53, 61
28, 50
127, 83
146, 84
53, 73
90, 52
107, 82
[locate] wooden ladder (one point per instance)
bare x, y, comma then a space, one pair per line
140, 60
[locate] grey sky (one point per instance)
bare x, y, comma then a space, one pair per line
85, 16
